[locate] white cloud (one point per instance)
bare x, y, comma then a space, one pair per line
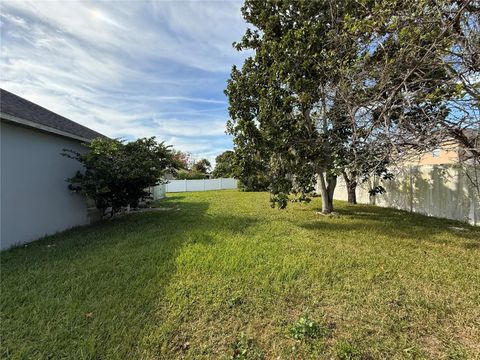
128, 68
15, 20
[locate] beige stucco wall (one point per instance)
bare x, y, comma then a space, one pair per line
434, 190
447, 154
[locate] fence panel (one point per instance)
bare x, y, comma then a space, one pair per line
195, 185
213, 184
158, 192
200, 185
176, 186
229, 183
434, 190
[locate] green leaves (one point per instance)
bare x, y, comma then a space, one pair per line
339, 86
118, 174
280, 100
306, 329
225, 165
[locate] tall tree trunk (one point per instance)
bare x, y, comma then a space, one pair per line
351, 183
351, 193
327, 188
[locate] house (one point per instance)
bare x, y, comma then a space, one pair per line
449, 152
35, 200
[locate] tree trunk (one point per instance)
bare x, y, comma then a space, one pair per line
327, 188
351, 187
351, 193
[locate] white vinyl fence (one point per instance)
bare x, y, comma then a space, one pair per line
201, 185
434, 190
158, 192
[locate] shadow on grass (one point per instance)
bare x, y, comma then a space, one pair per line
397, 224
93, 291
170, 198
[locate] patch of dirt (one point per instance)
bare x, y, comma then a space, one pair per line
458, 228
432, 346
139, 210
332, 214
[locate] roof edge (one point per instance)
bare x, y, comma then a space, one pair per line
41, 127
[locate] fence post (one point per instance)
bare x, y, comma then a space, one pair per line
185, 185
221, 186
203, 184
411, 188
372, 198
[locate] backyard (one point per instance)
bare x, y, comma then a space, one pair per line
222, 275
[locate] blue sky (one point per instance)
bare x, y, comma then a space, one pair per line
127, 68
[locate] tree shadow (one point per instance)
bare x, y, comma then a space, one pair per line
434, 190
444, 191
169, 198
92, 282
422, 192
397, 225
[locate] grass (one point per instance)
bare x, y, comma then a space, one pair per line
222, 275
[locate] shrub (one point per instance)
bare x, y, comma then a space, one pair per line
190, 175
117, 174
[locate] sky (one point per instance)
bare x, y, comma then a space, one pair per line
127, 69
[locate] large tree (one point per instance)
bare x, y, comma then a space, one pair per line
345, 87
291, 102
181, 160
224, 165
202, 166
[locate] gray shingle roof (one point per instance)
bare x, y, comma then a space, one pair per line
18, 107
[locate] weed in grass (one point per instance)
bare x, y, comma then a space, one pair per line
235, 301
348, 351
306, 329
245, 348
457, 354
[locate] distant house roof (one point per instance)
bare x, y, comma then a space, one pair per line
18, 110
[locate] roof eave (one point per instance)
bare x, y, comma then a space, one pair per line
41, 127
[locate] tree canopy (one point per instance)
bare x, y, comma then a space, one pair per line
181, 160
346, 87
224, 165
202, 166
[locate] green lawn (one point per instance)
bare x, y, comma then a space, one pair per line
222, 275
